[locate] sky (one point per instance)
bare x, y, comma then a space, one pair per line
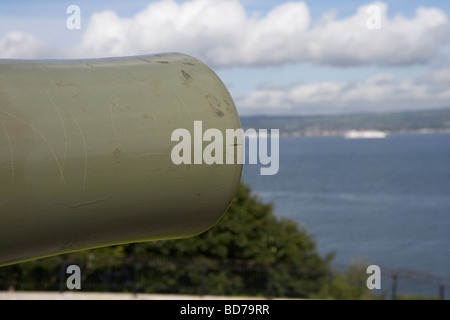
275, 57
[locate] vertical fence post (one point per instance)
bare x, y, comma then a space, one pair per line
269, 283
442, 292
394, 286
136, 268
62, 274
202, 281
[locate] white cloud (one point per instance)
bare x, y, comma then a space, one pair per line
19, 45
399, 41
382, 92
222, 33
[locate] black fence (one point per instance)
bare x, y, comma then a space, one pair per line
410, 283
406, 284
203, 277
228, 278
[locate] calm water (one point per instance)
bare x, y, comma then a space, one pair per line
383, 200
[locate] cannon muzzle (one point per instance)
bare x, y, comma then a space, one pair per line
86, 153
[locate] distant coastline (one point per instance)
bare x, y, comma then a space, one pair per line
409, 122
345, 133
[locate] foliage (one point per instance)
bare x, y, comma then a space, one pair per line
349, 285
280, 252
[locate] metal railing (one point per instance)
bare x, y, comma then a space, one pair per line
199, 276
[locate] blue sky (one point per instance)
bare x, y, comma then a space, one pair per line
310, 57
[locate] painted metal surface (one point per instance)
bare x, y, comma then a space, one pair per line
85, 153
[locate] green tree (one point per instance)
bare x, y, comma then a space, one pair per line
349, 284
280, 254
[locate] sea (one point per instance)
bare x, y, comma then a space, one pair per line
383, 201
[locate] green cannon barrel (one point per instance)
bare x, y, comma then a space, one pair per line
85, 153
